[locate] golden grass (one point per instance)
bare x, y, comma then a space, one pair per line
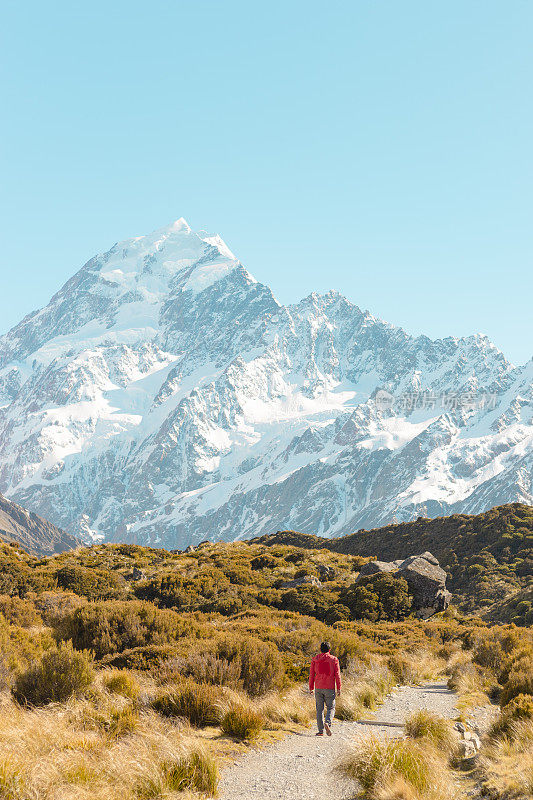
425, 726
55, 754
506, 763
242, 721
380, 767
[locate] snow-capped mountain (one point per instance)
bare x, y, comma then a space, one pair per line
164, 396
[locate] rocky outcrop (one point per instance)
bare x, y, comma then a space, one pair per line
304, 580
425, 578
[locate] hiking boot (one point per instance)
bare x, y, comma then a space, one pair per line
319, 734
328, 729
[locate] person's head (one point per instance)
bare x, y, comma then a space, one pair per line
325, 647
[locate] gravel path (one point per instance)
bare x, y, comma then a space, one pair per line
299, 767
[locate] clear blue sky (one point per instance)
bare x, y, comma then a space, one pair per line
382, 148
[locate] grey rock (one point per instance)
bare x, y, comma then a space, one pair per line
469, 736
427, 582
138, 574
466, 749
375, 567
305, 580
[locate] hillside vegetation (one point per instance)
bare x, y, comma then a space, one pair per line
133, 673
489, 556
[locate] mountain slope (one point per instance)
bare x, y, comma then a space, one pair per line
164, 396
36, 535
488, 556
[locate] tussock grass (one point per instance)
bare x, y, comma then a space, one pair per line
198, 703
290, 707
436, 730
378, 766
415, 667
506, 764
242, 721
122, 682
59, 758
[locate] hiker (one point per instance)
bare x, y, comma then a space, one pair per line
325, 681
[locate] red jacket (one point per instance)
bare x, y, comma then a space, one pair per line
325, 672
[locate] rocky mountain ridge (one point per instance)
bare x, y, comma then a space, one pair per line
164, 396
35, 534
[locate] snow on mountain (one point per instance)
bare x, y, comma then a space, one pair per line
164, 396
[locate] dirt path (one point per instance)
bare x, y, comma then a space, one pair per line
300, 766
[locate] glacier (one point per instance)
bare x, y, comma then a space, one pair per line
164, 397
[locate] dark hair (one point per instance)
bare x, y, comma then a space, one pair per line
325, 647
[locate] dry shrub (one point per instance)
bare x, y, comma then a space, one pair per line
59, 674
204, 668
519, 676
261, 666
242, 721
55, 606
19, 611
520, 708
433, 728
199, 703
377, 764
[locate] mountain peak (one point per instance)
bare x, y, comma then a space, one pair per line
164, 394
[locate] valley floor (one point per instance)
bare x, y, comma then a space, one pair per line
301, 766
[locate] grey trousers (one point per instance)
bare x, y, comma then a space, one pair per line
324, 697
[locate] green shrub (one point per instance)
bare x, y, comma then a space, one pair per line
520, 677
242, 721
196, 702
488, 653
94, 584
59, 674
113, 626
375, 597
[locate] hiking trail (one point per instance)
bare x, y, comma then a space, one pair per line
300, 766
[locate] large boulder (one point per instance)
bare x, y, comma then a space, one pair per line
425, 578
427, 583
